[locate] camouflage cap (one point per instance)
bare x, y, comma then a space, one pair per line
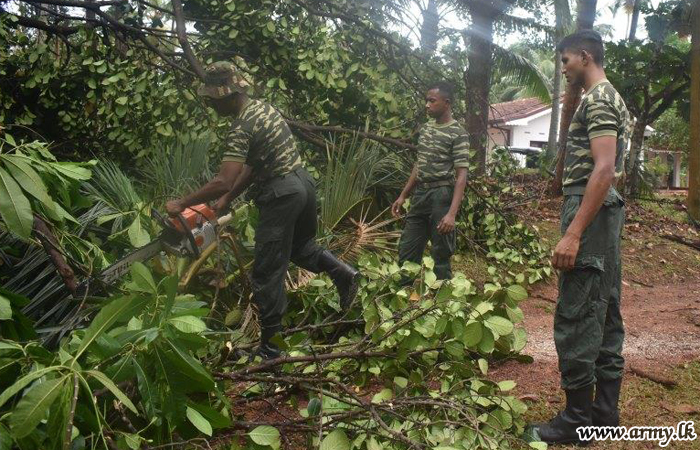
221, 79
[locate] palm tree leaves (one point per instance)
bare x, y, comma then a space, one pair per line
522, 72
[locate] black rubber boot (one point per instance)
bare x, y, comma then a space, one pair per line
345, 277
605, 411
266, 349
562, 429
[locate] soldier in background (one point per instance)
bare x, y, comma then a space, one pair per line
261, 151
438, 178
588, 330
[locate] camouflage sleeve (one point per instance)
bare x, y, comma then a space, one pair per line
237, 145
460, 149
601, 118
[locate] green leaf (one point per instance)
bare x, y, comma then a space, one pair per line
15, 209
538, 445
138, 236
122, 100
516, 293
108, 315
265, 435
109, 384
499, 325
148, 396
72, 170
24, 382
188, 324
190, 367
483, 366
472, 334
29, 180
32, 408
506, 385
401, 382
142, 278
5, 308
336, 440
383, 395
199, 421
271, 27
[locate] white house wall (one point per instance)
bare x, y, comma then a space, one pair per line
536, 129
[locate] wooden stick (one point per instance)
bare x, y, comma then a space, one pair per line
652, 376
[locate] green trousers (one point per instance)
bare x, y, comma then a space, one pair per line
286, 231
588, 329
428, 207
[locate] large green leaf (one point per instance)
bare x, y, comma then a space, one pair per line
109, 384
188, 324
15, 209
199, 421
5, 308
265, 435
142, 278
29, 180
138, 236
32, 408
190, 367
108, 315
146, 389
337, 440
24, 382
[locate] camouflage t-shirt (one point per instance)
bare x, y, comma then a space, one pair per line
441, 148
602, 112
261, 138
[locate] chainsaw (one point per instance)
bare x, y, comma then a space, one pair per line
188, 234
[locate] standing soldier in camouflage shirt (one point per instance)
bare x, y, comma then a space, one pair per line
261, 151
588, 330
442, 151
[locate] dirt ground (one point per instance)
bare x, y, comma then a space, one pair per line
661, 311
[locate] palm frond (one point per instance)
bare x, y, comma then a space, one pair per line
172, 171
512, 24
523, 72
350, 167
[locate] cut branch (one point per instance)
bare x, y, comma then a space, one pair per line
182, 38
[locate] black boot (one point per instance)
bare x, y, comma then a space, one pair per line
562, 429
266, 349
345, 277
605, 411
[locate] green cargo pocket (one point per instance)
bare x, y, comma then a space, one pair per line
579, 288
613, 198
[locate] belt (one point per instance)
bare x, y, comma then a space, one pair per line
296, 171
434, 184
581, 190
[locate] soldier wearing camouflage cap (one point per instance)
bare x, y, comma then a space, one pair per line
262, 153
438, 179
588, 330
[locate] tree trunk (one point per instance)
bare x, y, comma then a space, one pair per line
694, 156
554, 122
478, 82
635, 20
585, 17
585, 14
429, 28
632, 172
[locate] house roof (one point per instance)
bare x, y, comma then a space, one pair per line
500, 113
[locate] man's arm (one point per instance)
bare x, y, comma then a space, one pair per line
603, 150
218, 186
447, 223
241, 184
405, 193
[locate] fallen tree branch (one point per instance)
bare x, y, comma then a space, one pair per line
682, 240
652, 376
50, 244
310, 128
